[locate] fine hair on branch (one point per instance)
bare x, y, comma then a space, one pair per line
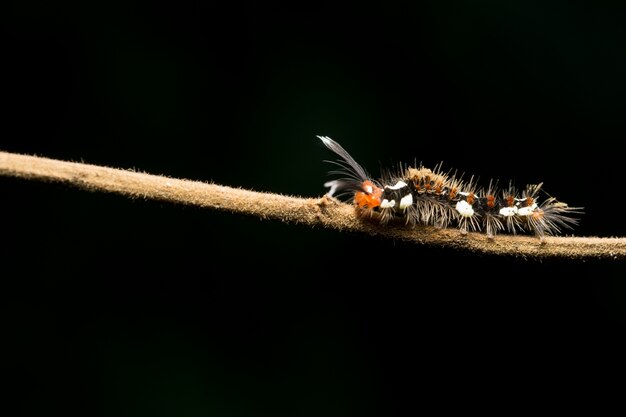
323, 211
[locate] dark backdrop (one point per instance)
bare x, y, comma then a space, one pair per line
112, 306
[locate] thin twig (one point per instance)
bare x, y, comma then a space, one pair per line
324, 211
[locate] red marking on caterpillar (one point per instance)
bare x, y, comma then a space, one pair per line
432, 197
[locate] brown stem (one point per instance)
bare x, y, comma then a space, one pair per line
324, 211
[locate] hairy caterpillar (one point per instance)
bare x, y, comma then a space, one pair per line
432, 197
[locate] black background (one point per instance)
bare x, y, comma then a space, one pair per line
113, 306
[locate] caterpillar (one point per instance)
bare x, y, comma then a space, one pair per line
422, 196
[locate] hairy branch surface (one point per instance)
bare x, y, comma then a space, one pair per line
318, 212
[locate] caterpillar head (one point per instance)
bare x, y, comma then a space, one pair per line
370, 196
355, 182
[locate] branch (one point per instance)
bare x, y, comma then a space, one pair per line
325, 212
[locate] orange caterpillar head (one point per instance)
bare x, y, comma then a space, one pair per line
370, 196
355, 182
